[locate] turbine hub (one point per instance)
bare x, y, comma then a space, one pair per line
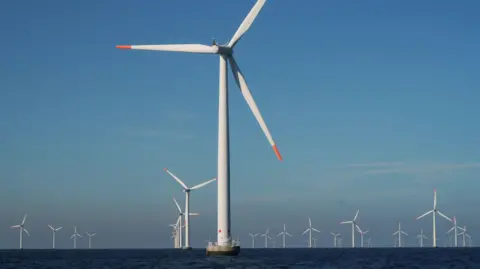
225, 50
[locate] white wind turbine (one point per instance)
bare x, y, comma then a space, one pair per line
334, 239
178, 226
187, 214
284, 233
434, 211
353, 222
54, 231
310, 229
22, 229
176, 233
400, 232
362, 233
225, 52
253, 239
420, 237
463, 234
455, 229
90, 238
74, 236
266, 237
314, 242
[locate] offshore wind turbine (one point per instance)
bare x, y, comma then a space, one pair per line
400, 232
22, 229
362, 233
314, 242
420, 237
353, 222
463, 234
266, 237
74, 236
224, 245
334, 239
253, 239
54, 231
454, 228
90, 238
284, 233
187, 214
310, 229
434, 211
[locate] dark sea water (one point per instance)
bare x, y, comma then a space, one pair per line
249, 258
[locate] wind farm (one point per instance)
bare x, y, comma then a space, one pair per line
372, 112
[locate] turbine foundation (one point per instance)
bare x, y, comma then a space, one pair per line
214, 249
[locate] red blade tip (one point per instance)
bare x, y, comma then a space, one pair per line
277, 152
165, 169
127, 47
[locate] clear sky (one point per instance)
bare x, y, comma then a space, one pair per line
373, 104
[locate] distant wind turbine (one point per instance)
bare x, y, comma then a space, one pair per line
463, 234
266, 237
253, 239
74, 236
434, 211
353, 222
314, 242
22, 229
54, 231
420, 237
179, 224
400, 232
309, 230
334, 239
284, 233
187, 191
454, 228
90, 238
362, 233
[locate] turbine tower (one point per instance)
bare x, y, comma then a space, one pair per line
74, 236
420, 237
362, 233
354, 223
400, 232
334, 239
90, 238
22, 229
455, 228
224, 245
284, 233
253, 239
187, 214
434, 211
310, 229
54, 231
266, 237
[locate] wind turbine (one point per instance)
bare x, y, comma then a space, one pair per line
334, 239
266, 237
22, 229
224, 240
74, 236
434, 211
90, 238
187, 214
454, 228
176, 234
253, 239
362, 233
463, 234
353, 222
310, 229
420, 237
400, 232
54, 231
314, 242
284, 233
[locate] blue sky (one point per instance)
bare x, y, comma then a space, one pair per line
372, 104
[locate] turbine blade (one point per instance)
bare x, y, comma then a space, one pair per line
425, 214
203, 184
176, 178
445, 217
346, 222
25, 230
58, 229
280, 234
178, 206
435, 199
358, 229
395, 233
24, 218
15, 226
404, 233
73, 235
458, 227
313, 229
51, 227
356, 215
247, 22
94, 234
306, 231
449, 231
309, 222
193, 48
365, 232
288, 234
242, 84
194, 214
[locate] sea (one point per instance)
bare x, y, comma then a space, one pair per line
429, 258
